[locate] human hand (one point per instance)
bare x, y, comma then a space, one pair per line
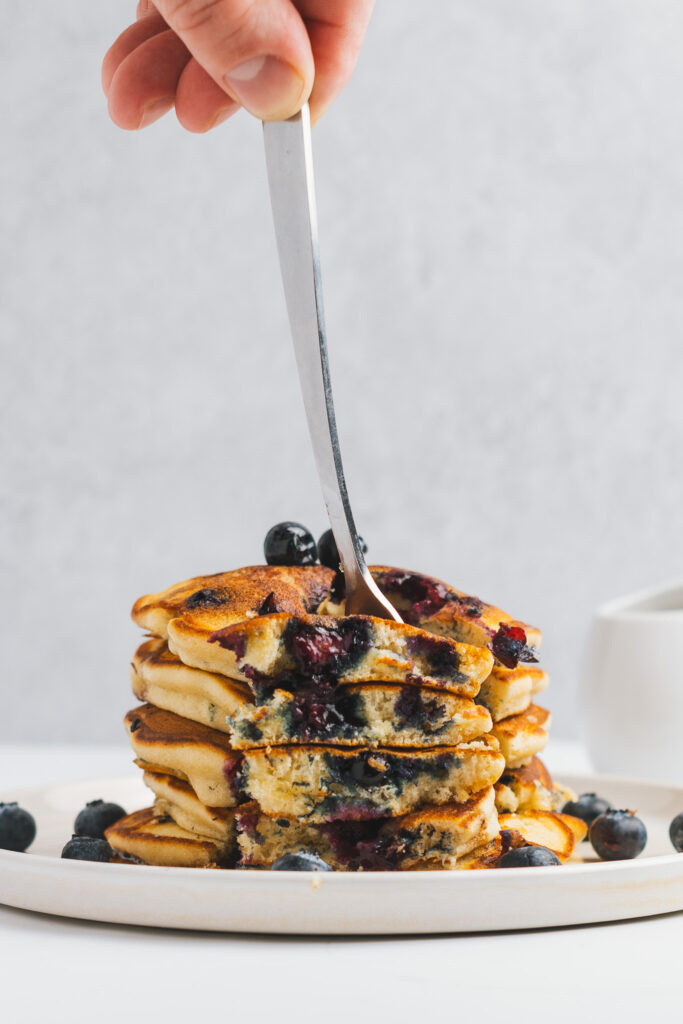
208, 58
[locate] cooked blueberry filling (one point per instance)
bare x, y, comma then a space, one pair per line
311, 717
232, 774
250, 731
366, 769
351, 707
509, 646
340, 808
326, 652
317, 594
425, 597
442, 658
412, 710
365, 845
314, 718
135, 724
338, 588
370, 769
358, 844
209, 597
269, 606
247, 822
231, 639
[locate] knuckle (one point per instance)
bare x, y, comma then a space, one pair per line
190, 15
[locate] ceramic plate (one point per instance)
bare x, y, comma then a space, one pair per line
374, 903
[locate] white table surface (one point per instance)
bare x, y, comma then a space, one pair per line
54, 969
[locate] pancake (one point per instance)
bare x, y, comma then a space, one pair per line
562, 794
160, 678
177, 799
151, 838
509, 691
522, 736
433, 837
326, 783
379, 714
223, 598
359, 715
168, 743
529, 788
287, 652
434, 605
558, 832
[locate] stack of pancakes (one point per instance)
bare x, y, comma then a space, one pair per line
274, 723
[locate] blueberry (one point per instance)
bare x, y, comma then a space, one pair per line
587, 807
290, 544
95, 817
529, 857
618, 835
676, 832
327, 550
17, 828
87, 848
301, 861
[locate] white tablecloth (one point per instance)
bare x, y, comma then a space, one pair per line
59, 970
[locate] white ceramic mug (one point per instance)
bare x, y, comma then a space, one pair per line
632, 686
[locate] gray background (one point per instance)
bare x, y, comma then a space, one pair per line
501, 207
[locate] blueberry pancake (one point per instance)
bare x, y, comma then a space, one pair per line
204, 757
177, 799
159, 677
206, 604
303, 652
529, 788
326, 783
508, 691
148, 837
213, 602
435, 606
379, 714
431, 838
557, 832
358, 715
522, 736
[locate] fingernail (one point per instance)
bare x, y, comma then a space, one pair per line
154, 110
266, 86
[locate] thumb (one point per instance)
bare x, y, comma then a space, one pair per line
257, 51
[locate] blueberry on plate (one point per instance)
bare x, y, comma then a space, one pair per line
618, 835
676, 832
87, 848
529, 857
95, 817
328, 553
301, 861
587, 807
290, 544
17, 828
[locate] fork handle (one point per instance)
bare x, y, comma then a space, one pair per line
289, 161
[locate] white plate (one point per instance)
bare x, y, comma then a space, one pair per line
373, 903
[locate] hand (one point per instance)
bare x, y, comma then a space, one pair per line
208, 58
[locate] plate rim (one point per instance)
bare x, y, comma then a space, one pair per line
339, 903
348, 877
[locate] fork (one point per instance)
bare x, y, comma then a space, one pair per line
289, 162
